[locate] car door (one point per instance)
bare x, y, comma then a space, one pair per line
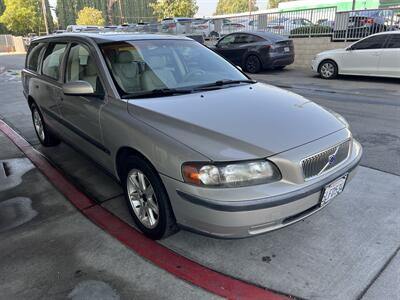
47, 88
225, 47
81, 113
362, 58
389, 64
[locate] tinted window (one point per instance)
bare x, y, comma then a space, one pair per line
52, 60
82, 66
394, 41
229, 39
375, 42
32, 62
246, 39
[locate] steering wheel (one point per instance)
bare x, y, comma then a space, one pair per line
194, 74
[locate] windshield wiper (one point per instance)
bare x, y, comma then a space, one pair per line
219, 83
156, 93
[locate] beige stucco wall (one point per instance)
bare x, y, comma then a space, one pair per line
306, 48
19, 45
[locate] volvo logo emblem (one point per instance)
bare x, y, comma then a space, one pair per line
332, 159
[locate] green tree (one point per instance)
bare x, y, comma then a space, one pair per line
3, 29
90, 16
235, 6
21, 16
275, 3
174, 8
50, 22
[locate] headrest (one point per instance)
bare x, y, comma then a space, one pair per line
90, 68
124, 57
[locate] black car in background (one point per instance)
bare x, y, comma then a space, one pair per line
255, 51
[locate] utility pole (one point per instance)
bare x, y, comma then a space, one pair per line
45, 16
120, 10
250, 7
354, 4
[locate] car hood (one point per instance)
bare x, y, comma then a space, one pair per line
332, 51
237, 123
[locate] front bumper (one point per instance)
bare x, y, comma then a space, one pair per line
242, 212
314, 65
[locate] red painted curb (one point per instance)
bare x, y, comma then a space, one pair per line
75, 196
159, 255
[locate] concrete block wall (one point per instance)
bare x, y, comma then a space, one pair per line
306, 48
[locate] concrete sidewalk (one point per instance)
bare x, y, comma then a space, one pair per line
49, 250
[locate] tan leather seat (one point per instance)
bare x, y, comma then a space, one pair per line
126, 72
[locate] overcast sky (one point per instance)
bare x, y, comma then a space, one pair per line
206, 7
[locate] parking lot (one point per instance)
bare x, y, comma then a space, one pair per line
350, 250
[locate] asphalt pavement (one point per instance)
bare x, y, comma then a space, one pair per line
370, 105
349, 250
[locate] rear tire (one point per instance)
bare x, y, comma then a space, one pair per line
328, 69
252, 64
45, 136
147, 199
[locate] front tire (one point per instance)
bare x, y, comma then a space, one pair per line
252, 64
328, 69
147, 199
45, 136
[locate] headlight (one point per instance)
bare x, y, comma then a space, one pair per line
230, 174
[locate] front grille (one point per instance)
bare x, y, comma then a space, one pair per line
321, 162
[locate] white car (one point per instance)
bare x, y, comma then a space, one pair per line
176, 25
284, 25
205, 27
375, 55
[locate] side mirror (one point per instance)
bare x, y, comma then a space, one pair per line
78, 88
349, 48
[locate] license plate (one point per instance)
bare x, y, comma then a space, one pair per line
286, 49
333, 189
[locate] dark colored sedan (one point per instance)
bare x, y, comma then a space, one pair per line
254, 51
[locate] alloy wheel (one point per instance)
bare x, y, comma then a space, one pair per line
252, 64
142, 198
327, 70
38, 123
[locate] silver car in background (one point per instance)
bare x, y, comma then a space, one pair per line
195, 143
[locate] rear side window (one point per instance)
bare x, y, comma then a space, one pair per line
52, 60
32, 62
374, 42
394, 41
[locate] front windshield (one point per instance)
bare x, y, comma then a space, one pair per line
147, 65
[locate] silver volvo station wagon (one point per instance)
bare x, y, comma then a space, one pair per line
195, 143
